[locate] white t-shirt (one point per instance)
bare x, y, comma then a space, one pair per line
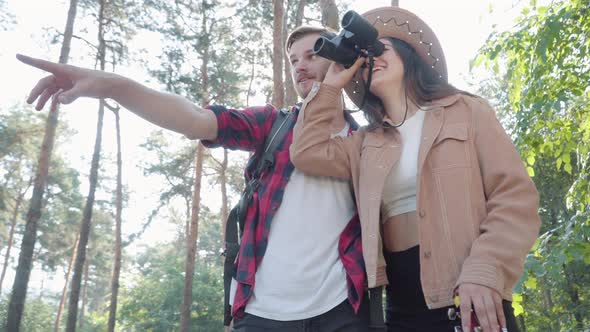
301, 274
399, 193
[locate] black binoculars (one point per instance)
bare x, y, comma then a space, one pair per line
357, 35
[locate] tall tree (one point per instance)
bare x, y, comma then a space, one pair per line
289, 23
18, 201
21, 280
20, 130
93, 180
278, 91
64, 293
191, 243
212, 80
118, 212
330, 14
224, 196
81, 318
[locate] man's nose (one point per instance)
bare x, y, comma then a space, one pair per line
300, 66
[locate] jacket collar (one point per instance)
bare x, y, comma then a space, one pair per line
430, 106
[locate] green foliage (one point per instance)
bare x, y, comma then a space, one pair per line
544, 65
199, 59
174, 165
22, 132
38, 316
152, 300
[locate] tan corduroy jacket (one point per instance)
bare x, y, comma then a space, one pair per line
476, 204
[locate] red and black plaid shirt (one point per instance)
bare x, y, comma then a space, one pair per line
247, 130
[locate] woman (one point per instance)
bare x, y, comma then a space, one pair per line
446, 205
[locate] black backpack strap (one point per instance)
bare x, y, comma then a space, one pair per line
376, 322
280, 127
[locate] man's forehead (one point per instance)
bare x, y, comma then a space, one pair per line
305, 52
304, 45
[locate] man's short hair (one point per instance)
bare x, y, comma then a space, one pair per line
305, 30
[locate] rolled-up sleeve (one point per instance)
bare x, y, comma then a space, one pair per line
241, 129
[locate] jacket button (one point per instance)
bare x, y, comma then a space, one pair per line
433, 298
422, 213
427, 254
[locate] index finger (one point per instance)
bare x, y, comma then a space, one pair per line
465, 309
500, 310
358, 63
49, 66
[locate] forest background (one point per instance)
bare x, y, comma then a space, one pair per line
107, 223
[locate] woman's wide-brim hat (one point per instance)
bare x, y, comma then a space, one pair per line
401, 24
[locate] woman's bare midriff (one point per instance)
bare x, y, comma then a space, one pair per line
401, 232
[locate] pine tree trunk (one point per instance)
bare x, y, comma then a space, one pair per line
251, 81
574, 295
25, 263
278, 91
87, 214
64, 292
329, 14
224, 203
300, 10
290, 93
84, 296
191, 240
13, 223
191, 243
522, 325
548, 302
119, 209
85, 228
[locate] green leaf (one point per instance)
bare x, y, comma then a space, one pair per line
531, 283
517, 304
531, 158
531, 171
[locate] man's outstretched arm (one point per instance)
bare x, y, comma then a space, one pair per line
68, 83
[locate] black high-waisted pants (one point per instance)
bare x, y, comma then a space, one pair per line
406, 309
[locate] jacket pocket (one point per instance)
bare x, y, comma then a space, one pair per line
450, 148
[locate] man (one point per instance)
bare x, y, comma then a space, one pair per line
306, 228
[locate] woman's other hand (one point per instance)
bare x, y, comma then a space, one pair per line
487, 304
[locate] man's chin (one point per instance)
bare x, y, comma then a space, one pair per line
304, 88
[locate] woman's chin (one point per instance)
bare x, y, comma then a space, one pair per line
378, 91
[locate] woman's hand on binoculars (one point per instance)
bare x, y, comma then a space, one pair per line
338, 76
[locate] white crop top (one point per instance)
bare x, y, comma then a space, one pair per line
399, 193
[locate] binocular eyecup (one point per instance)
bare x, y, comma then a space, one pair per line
357, 35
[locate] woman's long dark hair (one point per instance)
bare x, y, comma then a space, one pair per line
421, 82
